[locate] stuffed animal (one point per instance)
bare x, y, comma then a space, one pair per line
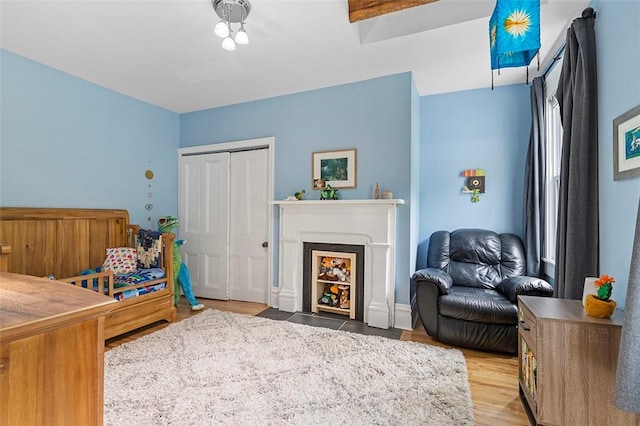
327, 262
181, 276
344, 297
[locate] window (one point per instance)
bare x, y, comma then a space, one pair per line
553, 134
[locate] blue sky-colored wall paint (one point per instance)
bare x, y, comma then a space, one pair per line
65, 142
415, 179
618, 57
47, 117
475, 129
373, 116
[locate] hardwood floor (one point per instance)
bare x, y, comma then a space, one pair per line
493, 378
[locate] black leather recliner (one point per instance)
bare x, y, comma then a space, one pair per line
467, 294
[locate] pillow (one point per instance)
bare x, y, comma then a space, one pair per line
149, 249
121, 260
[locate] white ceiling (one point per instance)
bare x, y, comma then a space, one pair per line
164, 52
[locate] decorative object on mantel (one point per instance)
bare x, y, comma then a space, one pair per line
601, 305
329, 193
376, 192
474, 183
514, 34
387, 195
231, 11
297, 196
626, 145
335, 168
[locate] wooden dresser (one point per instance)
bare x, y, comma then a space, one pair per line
51, 352
568, 363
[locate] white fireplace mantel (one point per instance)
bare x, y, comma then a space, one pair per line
370, 223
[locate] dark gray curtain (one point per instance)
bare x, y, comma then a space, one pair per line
534, 184
577, 243
626, 394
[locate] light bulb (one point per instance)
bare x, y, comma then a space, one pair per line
241, 35
228, 44
222, 29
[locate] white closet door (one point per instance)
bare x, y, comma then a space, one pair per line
248, 227
204, 222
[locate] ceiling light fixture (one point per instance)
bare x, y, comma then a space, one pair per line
231, 12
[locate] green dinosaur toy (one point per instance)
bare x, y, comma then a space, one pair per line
181, 276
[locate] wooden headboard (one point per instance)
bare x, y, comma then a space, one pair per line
61, 242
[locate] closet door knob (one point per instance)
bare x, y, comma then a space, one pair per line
265, 244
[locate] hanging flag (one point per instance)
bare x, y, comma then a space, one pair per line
514, 33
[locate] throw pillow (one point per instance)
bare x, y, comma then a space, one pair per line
149, 249
121, 260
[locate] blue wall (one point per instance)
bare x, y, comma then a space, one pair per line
415, 179
618, 56
373, 116
475, 129
65, 142
53, 124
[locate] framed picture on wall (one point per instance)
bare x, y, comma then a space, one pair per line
335, 168
626, 145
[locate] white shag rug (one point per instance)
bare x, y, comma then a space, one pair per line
226, 368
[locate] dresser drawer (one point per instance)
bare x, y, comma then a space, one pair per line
527, 327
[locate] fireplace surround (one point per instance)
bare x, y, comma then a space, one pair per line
369, 223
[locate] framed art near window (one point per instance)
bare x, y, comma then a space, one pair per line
335, 168
626, 145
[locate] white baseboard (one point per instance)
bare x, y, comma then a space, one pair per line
275, 297
403, 317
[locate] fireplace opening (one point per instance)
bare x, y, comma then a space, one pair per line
333, 279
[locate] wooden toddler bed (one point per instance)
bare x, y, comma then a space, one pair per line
63, 242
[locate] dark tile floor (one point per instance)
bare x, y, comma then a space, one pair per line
328, 320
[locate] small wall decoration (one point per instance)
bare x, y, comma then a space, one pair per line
334, 168
149, 206
474, 183
626, 145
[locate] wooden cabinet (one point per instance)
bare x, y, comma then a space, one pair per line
568, 363
51, 352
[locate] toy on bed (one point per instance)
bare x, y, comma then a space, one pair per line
181, 274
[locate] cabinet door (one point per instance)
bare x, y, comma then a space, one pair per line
54, 378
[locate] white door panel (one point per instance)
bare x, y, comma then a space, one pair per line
248, 226
204, 216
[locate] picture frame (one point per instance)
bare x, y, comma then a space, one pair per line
335, 168
626, 145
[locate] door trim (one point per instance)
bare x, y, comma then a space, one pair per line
269, 144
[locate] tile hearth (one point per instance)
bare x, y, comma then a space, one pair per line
328, 320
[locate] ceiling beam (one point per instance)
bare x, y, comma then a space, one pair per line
365, 9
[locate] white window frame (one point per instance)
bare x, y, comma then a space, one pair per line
553, 142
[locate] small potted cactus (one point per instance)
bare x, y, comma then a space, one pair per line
600, 305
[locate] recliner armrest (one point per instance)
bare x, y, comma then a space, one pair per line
524, 286
435, 276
